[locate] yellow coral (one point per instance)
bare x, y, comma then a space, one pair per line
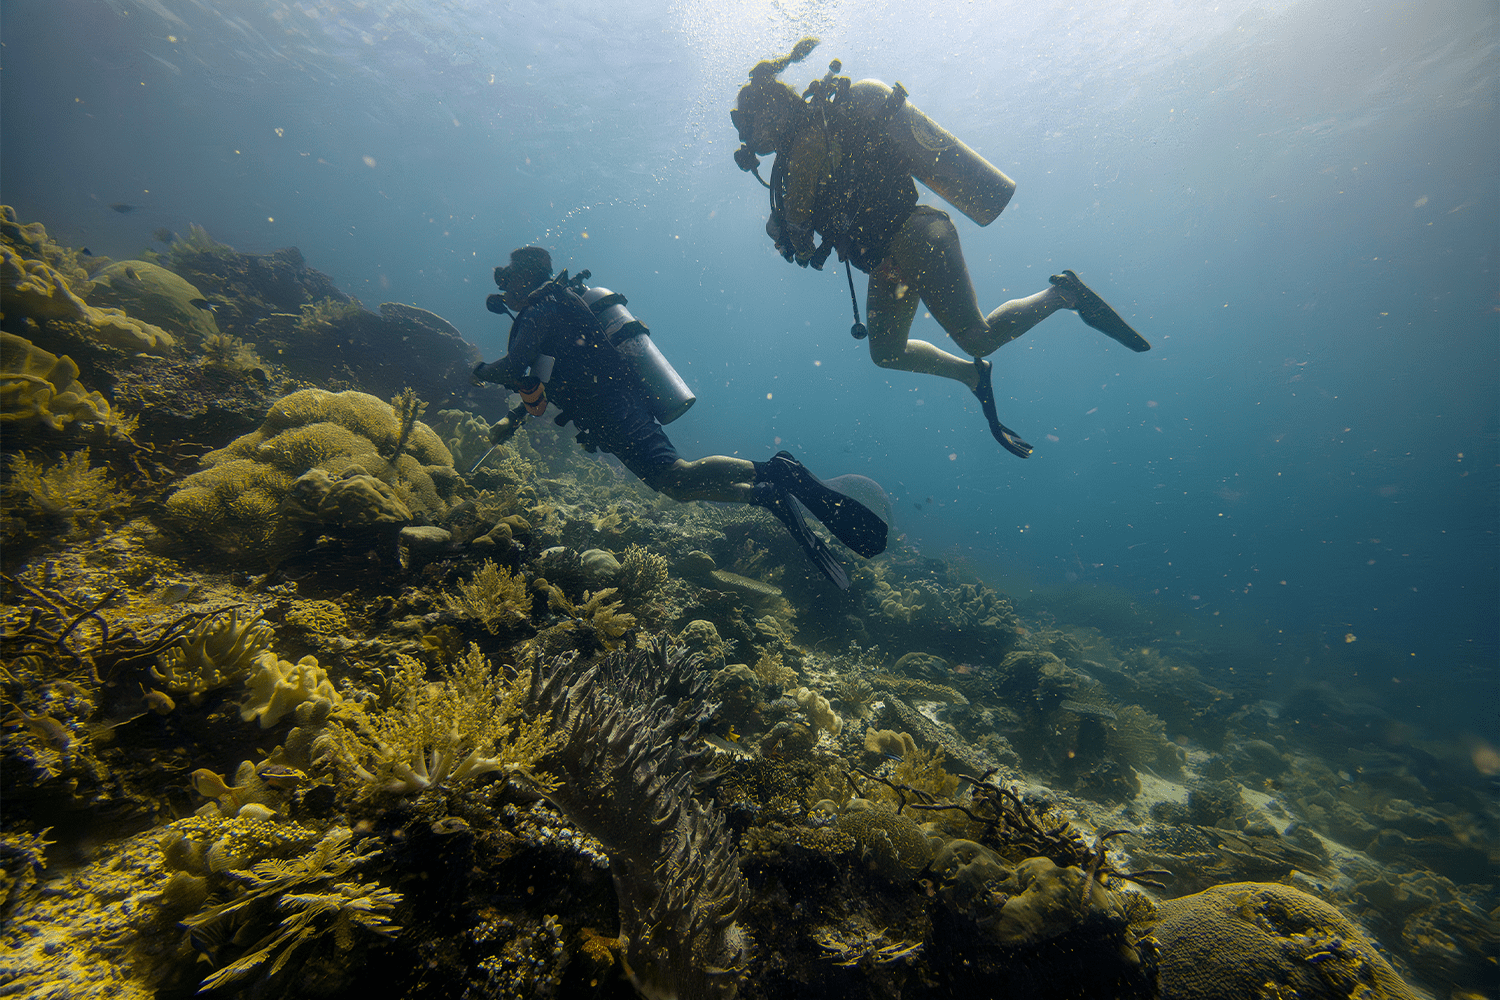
37, 387
320, 617
34, 289
224, 351
278, 687
773, 673
152, 295
235, 501
818, 710
888, 741
641, 571
69, 493
218, 651
609, 623
493, 596
472, 723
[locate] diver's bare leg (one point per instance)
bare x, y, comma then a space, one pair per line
891, 305
715, 477
1014, 318
928, 247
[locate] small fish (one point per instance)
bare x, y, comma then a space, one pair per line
163, 235
157, 701
175, 593
206, 304
130, 273
123, 208
280, 776
86, 252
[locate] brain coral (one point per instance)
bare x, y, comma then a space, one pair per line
892, 844
1249, 940
236, 502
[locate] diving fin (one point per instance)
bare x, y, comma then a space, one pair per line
854, 524
1097, 313
776, 500
985, 390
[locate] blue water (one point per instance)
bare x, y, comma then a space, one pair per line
1295, 202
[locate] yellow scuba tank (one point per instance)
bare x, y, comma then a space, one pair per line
952, 170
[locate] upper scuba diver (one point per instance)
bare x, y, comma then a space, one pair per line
581, 349
845, 158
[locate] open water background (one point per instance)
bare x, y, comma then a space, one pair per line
1295, 202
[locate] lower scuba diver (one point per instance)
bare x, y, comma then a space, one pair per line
846, 154
580, 349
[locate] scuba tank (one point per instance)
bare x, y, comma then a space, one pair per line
952, 170
668, 395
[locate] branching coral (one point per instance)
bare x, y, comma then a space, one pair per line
69, 495
311, 894
197, 241
218, 651
325, 314
494, 597
625, 779
409, 410
442, 735
641, 572
224, 351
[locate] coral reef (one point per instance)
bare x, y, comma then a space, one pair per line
467, 769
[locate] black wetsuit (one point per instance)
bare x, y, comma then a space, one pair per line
594, 386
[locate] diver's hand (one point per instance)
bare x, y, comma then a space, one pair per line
504, 429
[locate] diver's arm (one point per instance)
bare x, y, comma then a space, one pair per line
807, 167
525, 348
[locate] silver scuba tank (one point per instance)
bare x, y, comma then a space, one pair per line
953, 171
668, 394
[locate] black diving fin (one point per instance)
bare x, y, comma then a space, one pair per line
1097, 313
985, 390
854, 524
779, 502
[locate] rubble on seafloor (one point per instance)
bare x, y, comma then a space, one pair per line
298, 700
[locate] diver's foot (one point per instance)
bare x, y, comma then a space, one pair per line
852, 522
779, 502
1097, 313
1009, 439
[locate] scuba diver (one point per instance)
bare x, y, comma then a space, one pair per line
845, 158
580, 348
